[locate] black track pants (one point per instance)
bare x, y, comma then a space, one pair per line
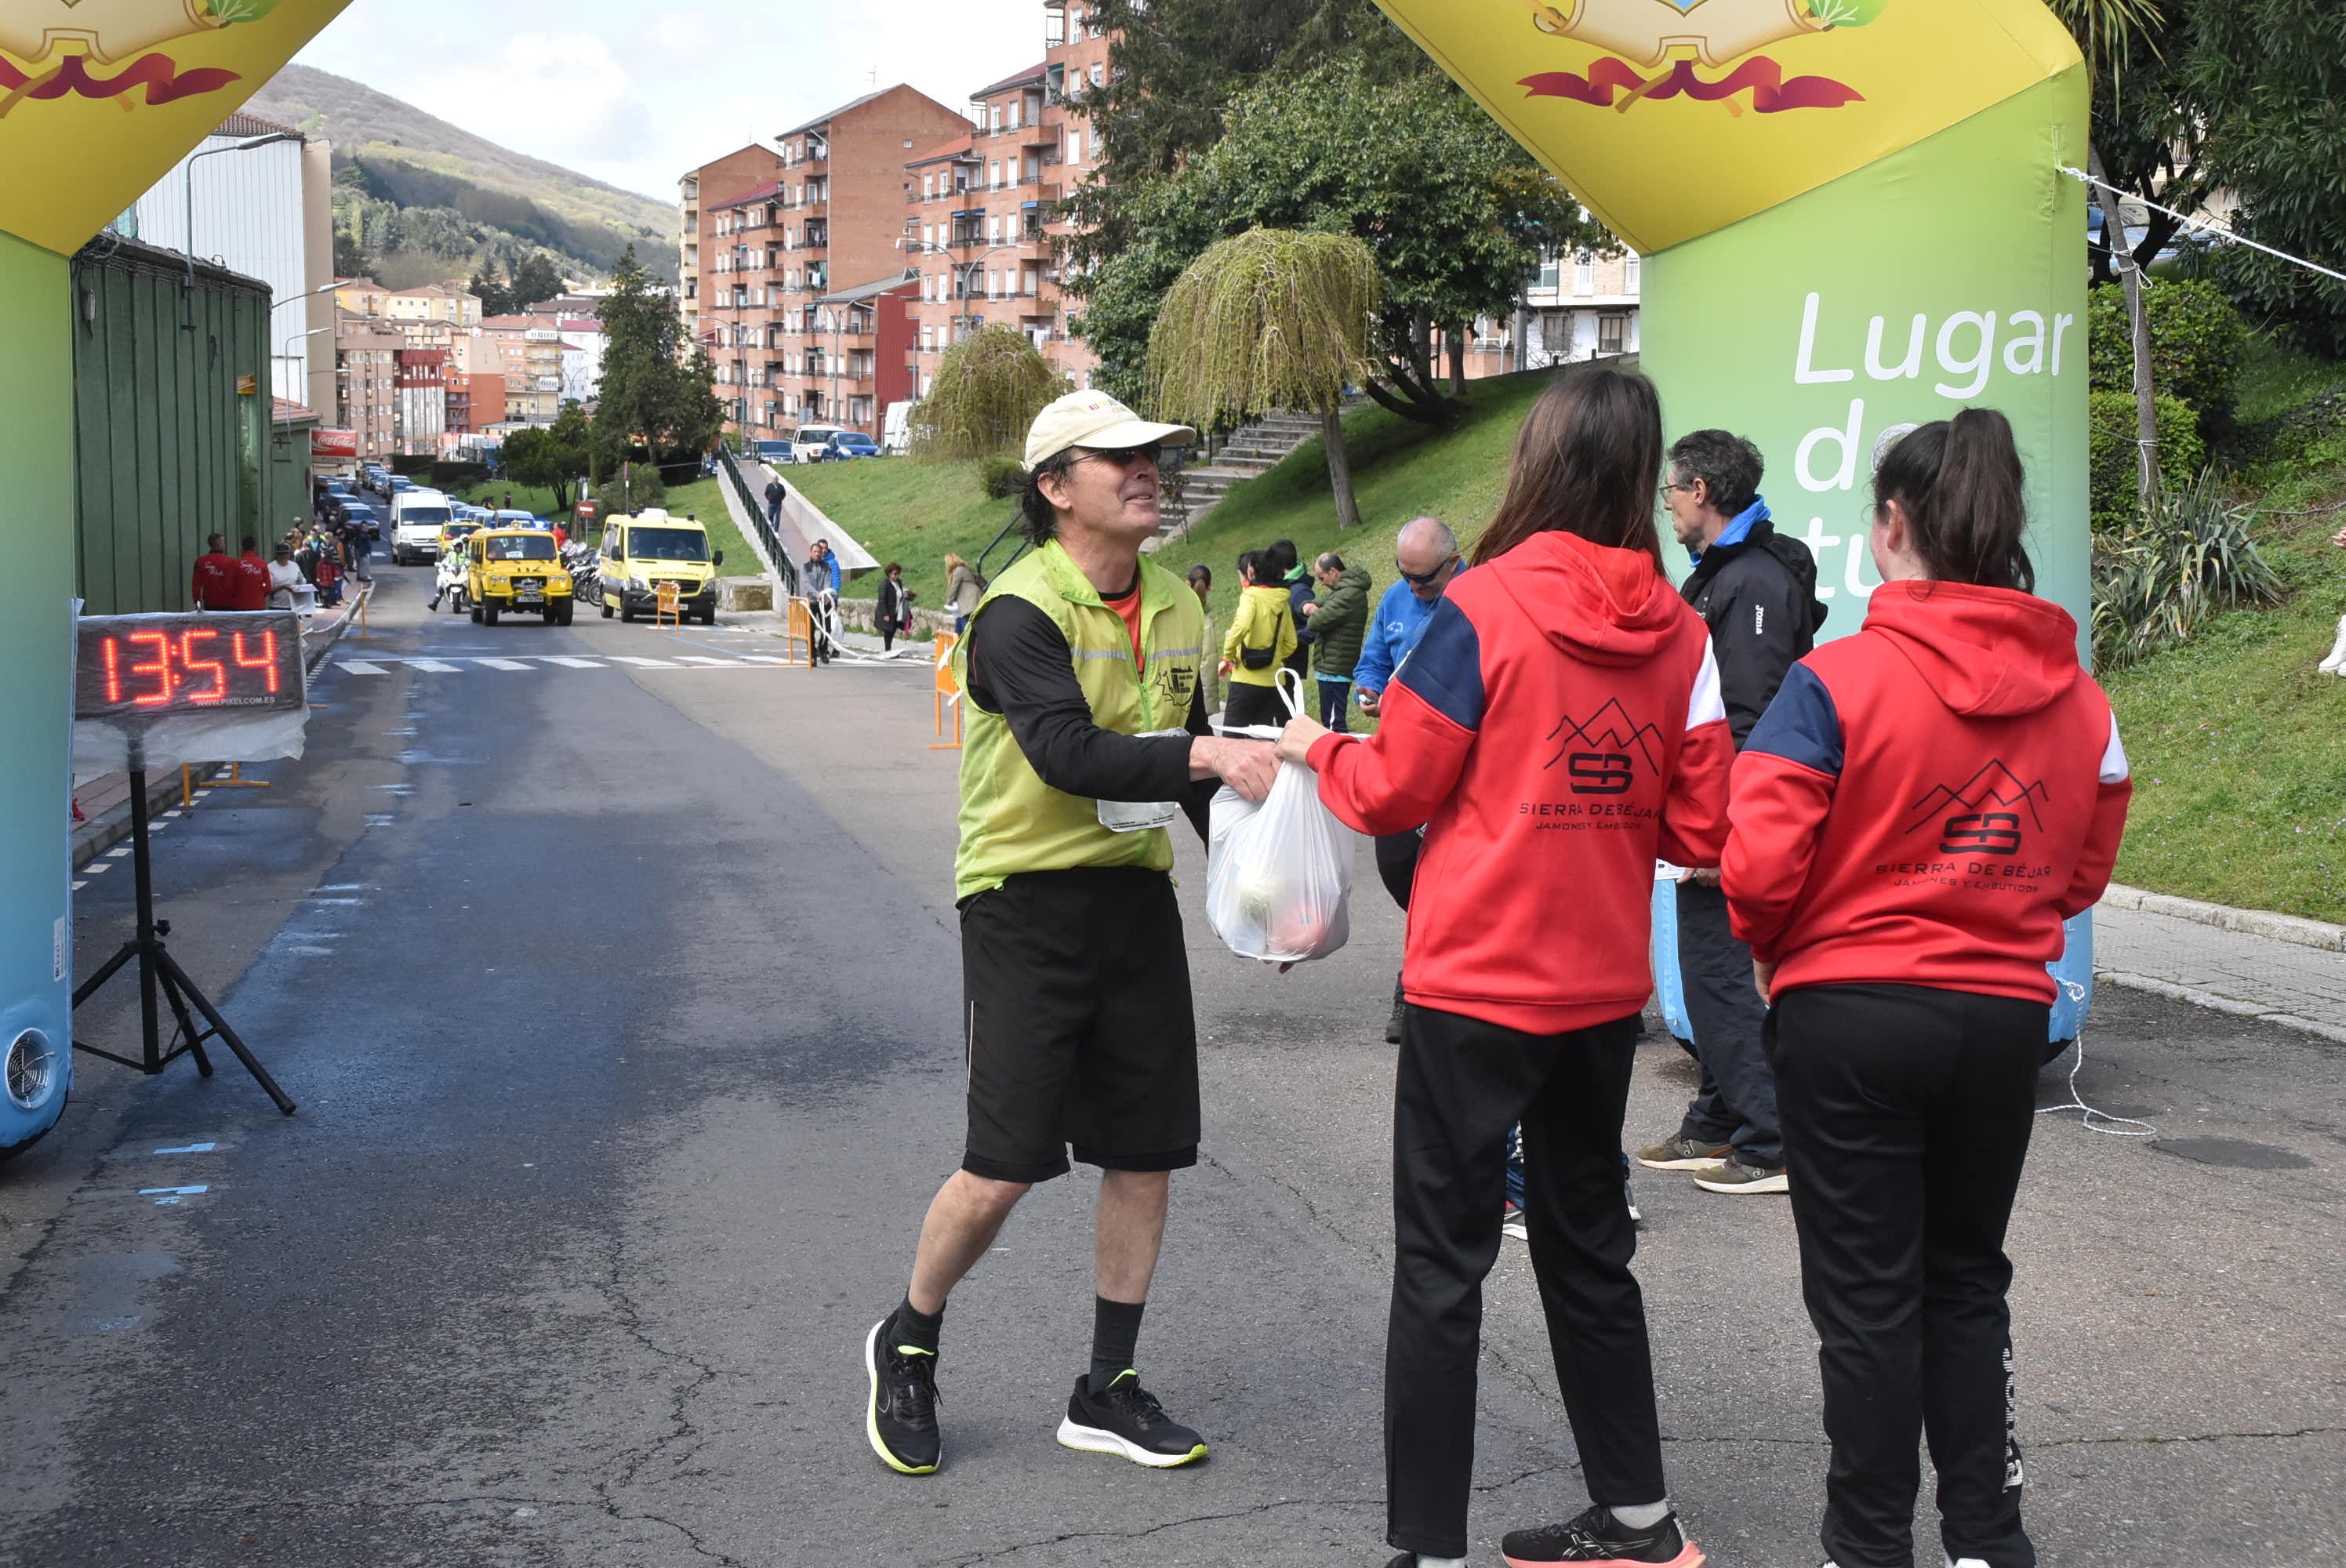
1397, 863
1462, 1084
1737, 1103
1907, 1111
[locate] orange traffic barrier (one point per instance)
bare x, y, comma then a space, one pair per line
236, 777
948, 692
667, 610
797, 628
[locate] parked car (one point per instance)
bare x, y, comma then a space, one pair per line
771, 451
810, 440
417, 518
399, 484
848, 444
365, 515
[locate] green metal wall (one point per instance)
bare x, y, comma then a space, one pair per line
167, 448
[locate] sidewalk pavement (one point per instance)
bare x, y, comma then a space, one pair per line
2276, 968
105, 800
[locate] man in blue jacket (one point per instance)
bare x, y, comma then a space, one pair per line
1426, 557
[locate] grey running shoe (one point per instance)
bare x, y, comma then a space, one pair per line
1731, 1175
1682, 1153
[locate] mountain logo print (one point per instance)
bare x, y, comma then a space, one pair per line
1966, 824
1600, 753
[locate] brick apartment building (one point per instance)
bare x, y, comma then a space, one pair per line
822, 226
423, 400
528, 351
366, 376
981, 228
736, 174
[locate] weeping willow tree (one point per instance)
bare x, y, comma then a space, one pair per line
989, 388
1272, 319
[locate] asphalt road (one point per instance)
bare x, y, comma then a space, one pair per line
622, 1004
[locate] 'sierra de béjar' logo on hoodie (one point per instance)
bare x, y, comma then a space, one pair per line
1968, 827
1673, 37
1604, 763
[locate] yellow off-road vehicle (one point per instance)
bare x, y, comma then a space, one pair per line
515, 569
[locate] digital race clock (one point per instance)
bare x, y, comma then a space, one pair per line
129, 667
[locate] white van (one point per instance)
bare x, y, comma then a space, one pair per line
417, 516
810, 439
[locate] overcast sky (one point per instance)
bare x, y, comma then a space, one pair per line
637, 94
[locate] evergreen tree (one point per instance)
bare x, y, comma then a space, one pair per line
657, 401
535, 279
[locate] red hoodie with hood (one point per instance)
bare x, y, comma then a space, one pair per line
1926, 802
1558, 729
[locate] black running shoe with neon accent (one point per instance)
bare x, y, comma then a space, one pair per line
1128, 1421
1598, 1540
901, 1418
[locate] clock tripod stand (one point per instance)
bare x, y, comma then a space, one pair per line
160, 978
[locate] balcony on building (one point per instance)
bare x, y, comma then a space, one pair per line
815, 235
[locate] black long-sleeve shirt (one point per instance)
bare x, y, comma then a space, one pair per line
1022, 669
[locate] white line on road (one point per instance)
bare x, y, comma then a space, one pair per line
569, 661
189, 1149
118, 854
435, 666
638, 658
705, 659
362, 666
503, 663
78, 886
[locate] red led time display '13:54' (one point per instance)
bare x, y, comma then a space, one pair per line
165, 665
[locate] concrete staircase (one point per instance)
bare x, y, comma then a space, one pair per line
1255, 449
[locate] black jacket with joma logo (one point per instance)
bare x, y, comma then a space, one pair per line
1759, 598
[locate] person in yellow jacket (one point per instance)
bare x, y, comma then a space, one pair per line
1087, 736
1261, 635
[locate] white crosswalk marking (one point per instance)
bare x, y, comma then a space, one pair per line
435, 666
362, 666
704, 658
503, 663
638, 658
569, 661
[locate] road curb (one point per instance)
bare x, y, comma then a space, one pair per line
2254, 922
2214, 1002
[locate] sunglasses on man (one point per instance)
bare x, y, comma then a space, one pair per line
1426, 579
1126, 456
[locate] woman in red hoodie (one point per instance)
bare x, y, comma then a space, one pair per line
1917, 813
1558, 729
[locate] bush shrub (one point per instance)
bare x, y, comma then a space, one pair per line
1000, 477
641, 487
2198, 340
2162, 579
2181, 454
455, 477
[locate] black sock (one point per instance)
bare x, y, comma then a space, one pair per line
913, 1327
1115, 1331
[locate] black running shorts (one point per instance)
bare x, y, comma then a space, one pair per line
1076, 1012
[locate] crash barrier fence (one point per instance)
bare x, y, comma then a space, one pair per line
668, 609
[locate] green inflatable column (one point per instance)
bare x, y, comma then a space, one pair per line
1947, 275
37, 541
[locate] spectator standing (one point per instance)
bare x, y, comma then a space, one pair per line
251, 579
1756, 592
1281, 567
1201, 581
213, 585
1567, 614
1339, 620
1261, 636
284, 576
775, 494
892, 613
1910, 1012
821, 584
964, 589
1426, 558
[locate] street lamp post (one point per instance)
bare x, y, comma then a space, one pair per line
188, 288
968, 269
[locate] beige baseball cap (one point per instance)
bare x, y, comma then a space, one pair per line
1095, 419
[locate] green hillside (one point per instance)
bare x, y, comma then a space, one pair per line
428, 201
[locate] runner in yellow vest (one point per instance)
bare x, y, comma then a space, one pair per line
1087, 736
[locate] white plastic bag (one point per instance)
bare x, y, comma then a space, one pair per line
1278, 876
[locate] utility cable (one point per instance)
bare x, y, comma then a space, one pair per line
2201, 224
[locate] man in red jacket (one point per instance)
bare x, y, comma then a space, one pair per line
214, 583
251, 579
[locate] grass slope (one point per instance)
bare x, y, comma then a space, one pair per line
911, 512
2239, 744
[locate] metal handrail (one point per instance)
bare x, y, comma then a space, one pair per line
756, 506
1007, 529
